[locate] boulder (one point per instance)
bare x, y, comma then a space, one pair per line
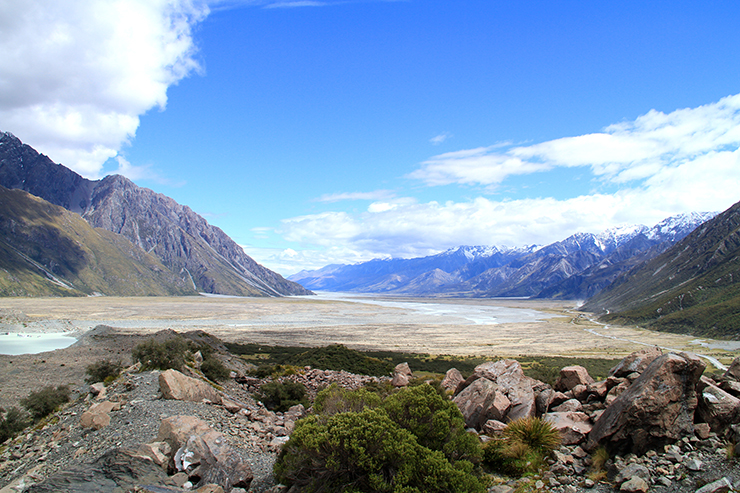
157, 452
204, 453
733, 371
493, 427
452, 379
210, 458
635, 362
573, 426
720, 486
658, 408
571, 405
175, 385
570, 376
507, 374
116, 470
97, 416
731, 387
401, 375
475, 401
176, 430
716, 407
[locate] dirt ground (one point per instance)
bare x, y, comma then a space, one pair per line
413, 325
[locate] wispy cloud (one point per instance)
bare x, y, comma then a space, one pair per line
77, 91
438, 139
652, 144
374, 195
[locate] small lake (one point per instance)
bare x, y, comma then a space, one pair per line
20, 343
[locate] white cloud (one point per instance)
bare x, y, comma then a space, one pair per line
438, 139
374, 195
663, 164
76, 76
622, 153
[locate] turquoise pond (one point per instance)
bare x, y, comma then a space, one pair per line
19, 343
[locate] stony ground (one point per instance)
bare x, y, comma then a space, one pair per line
62, 443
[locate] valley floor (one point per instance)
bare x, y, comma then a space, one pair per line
435, 326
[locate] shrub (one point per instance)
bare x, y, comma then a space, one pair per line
366, 452
534, 432
45, 401
163, 355
12, 422
523, 446
281, 396
103, 370
213, 369
335, 399
435, 421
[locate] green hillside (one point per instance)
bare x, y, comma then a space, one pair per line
694, 287
46, 250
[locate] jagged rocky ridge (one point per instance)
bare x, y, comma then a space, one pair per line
131, 433
197, 252
575, 268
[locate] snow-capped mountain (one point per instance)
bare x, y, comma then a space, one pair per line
574, 268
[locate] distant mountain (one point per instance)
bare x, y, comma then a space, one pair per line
196, 252
409, 276
693, 287
47, 250
574, 268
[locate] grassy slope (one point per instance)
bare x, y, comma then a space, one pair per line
40, 240
693, 287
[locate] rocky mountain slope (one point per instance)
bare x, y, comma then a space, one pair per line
196, 252
574, 268
46, 250
692, 287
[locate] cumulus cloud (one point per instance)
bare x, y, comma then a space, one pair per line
76, 76
652, 144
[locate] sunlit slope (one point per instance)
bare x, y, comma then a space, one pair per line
48, 251
693, 287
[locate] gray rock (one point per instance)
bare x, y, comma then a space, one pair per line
720, 486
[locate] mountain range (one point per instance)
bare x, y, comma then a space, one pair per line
575, 268
196, 253
694, 287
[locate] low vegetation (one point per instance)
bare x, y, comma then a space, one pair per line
522, 447
412, 441
12, 422
281, 396
161, 355
45, 401
103, 371
273, 360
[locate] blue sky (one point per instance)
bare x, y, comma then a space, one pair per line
317, 132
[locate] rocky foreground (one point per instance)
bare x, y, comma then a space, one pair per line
667, 427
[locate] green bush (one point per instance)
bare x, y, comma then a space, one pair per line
154, 355
12, 422
435, 421
522, 447
281, 396
335, 399
366, 452
45, 401
103, 370
213, 369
